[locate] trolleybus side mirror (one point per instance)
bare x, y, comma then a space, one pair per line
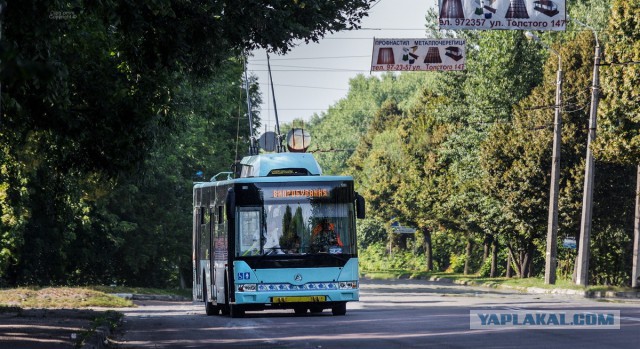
359, 206
230, 204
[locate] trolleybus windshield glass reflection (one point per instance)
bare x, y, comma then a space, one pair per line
296, 227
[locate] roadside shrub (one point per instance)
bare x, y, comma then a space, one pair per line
485, 269
456, 263
370, 231
377, 258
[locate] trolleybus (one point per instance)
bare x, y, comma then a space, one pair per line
280, 236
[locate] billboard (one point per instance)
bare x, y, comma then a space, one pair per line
503, 14
418, 54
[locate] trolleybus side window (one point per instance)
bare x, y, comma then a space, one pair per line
220, 214
205, 238
248, 243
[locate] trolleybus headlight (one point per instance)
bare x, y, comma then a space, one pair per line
247, 288
348, 285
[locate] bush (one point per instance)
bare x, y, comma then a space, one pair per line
485, 269
370, 231
373, 258
456, 263
376, 258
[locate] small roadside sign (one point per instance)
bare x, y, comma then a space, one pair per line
570, 243
399, 229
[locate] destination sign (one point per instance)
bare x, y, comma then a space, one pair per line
290, 193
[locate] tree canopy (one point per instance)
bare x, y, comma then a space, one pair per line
109, 109
468, 160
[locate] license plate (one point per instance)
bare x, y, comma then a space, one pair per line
301, 299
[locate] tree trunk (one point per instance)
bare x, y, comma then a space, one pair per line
525, 263
516, 261
485, 245
467, 256
509, 264
183, 283
428, 249
522, 268
494, 258
574, 276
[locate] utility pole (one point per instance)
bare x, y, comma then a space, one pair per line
635, 283
582, 273
552, 228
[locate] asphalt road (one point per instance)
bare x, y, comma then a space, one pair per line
390, 314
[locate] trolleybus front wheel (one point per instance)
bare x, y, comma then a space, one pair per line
234, 310
339, 309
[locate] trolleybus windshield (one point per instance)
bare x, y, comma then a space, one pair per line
298, 221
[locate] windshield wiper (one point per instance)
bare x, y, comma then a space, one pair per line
333, 255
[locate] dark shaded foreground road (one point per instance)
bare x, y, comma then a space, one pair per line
391, 314
44, 328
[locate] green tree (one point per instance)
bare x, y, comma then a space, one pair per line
337, 132
618, 139
619, 133
97, 101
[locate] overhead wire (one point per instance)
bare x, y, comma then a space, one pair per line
310, 69
315, 58
313, 71
314, 87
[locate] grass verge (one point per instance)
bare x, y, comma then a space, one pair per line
60, 297
186, 293
493, 282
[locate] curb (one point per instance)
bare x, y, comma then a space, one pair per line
150, 297
538, 290
98, 340
98, 337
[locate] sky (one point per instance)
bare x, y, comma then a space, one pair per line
312, 77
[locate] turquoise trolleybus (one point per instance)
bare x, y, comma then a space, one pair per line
281, 236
